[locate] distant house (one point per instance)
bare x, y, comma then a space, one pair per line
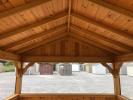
127, 69
40, 69
33, 70
46, 68
123, 70
95, 68
75, 66
87, 67
65, 69
99, 69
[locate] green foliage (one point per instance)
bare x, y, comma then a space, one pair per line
9, 67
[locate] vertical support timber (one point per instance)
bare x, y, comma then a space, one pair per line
116, 77
19, 75
117, 86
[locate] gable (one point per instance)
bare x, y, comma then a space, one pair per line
67, 47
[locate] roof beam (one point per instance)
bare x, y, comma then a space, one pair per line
78, 39
33, 37
44, 41
9, 56
94, 43
22, 8
113, 7
69, 14
124, 58
65, 59
33, 25
124, 38
100, 39
30, 45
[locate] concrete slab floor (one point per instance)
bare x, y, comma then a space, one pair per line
79, 82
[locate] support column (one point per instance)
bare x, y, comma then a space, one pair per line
117, 85
116, 77
19, 75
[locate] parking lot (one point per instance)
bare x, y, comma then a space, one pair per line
79, 82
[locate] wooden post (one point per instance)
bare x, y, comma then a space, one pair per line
19, 75
117, 86
116, 77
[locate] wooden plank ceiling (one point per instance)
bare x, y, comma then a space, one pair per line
66, 27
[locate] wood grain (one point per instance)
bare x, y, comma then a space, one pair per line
67, 97
28, 96
9, 56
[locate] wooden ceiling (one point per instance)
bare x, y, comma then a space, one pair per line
98, 27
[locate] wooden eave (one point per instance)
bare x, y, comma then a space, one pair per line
42, 22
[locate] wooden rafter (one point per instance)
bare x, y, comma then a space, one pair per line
27, 48
45, 39
65, 59
125, 57
59, 38
36, 36
123, 37
22, 8
100, 39
94, 43
32, 25
78, 39
113, 7
69, 14
9, 56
